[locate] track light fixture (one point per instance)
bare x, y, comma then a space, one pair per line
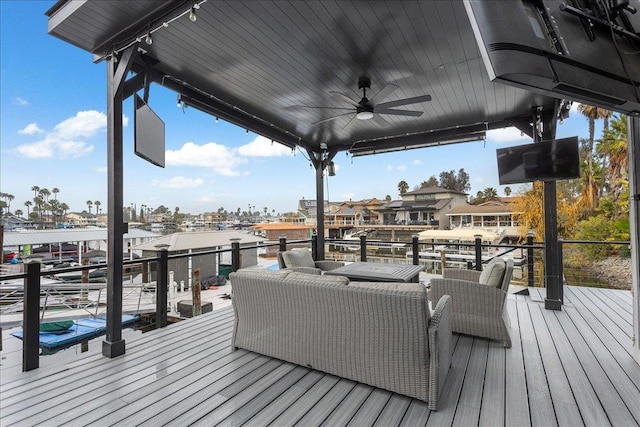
148, 40
217, 120
192, 14
179, 103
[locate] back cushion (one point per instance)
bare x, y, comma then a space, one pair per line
261, 272
492, 273
298, 258
316, 278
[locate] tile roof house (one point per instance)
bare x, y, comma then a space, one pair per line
425, 206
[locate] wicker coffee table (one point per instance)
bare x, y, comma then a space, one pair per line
376, 272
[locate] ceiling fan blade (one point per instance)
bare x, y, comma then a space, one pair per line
295, 107
349, 122
406, 101
344, 98
331, 118
410, 113
384, 93
381, 121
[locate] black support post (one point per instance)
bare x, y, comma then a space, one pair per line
415, 249
363, 248
161, 289
31, 319
113, 345
282, 243
235, 255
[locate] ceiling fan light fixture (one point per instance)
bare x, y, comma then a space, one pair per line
364, 115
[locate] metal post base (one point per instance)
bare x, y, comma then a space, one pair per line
553, 304
112, 349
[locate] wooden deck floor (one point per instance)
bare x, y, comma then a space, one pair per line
573, 367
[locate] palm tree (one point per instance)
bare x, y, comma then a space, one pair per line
89, 205
55, 192
9, 198
403, 186
490, 193
18, 212
592, 114
613, 146
507, 191
97, 203
64, 208
28, 203
35, 190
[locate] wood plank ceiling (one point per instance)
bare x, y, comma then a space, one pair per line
268, 61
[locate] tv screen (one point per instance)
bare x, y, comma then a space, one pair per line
149, 133
551, 160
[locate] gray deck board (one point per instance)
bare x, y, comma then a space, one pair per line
517, 402
493, 395
471, 393
349, 406
541, 408
572, 367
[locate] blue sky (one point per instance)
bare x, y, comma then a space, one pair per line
53, 134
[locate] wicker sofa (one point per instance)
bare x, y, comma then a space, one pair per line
478, 299
381, 334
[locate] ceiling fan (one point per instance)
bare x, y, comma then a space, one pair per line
366, 108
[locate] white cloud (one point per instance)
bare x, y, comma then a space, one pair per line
348, 196
417, 162
402, 168
211, 155
30, 129
263, 147
389, 167
20, 102
509, 134
102, 169
179, 182
82, 125
67, 137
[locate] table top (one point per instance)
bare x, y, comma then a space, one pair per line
378, 272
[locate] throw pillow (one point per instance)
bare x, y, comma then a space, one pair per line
492, 273
298, 258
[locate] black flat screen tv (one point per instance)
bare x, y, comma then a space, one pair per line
551, 160
149, 133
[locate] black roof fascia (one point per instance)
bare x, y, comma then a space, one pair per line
210, 105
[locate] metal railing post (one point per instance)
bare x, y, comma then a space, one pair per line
560, 272
161, 289
31, 319
415, 249
530, 269
363, 248
314, 247
282, 242
478, 252
235, 254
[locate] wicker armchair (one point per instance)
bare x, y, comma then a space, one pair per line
300, 260
478, 309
